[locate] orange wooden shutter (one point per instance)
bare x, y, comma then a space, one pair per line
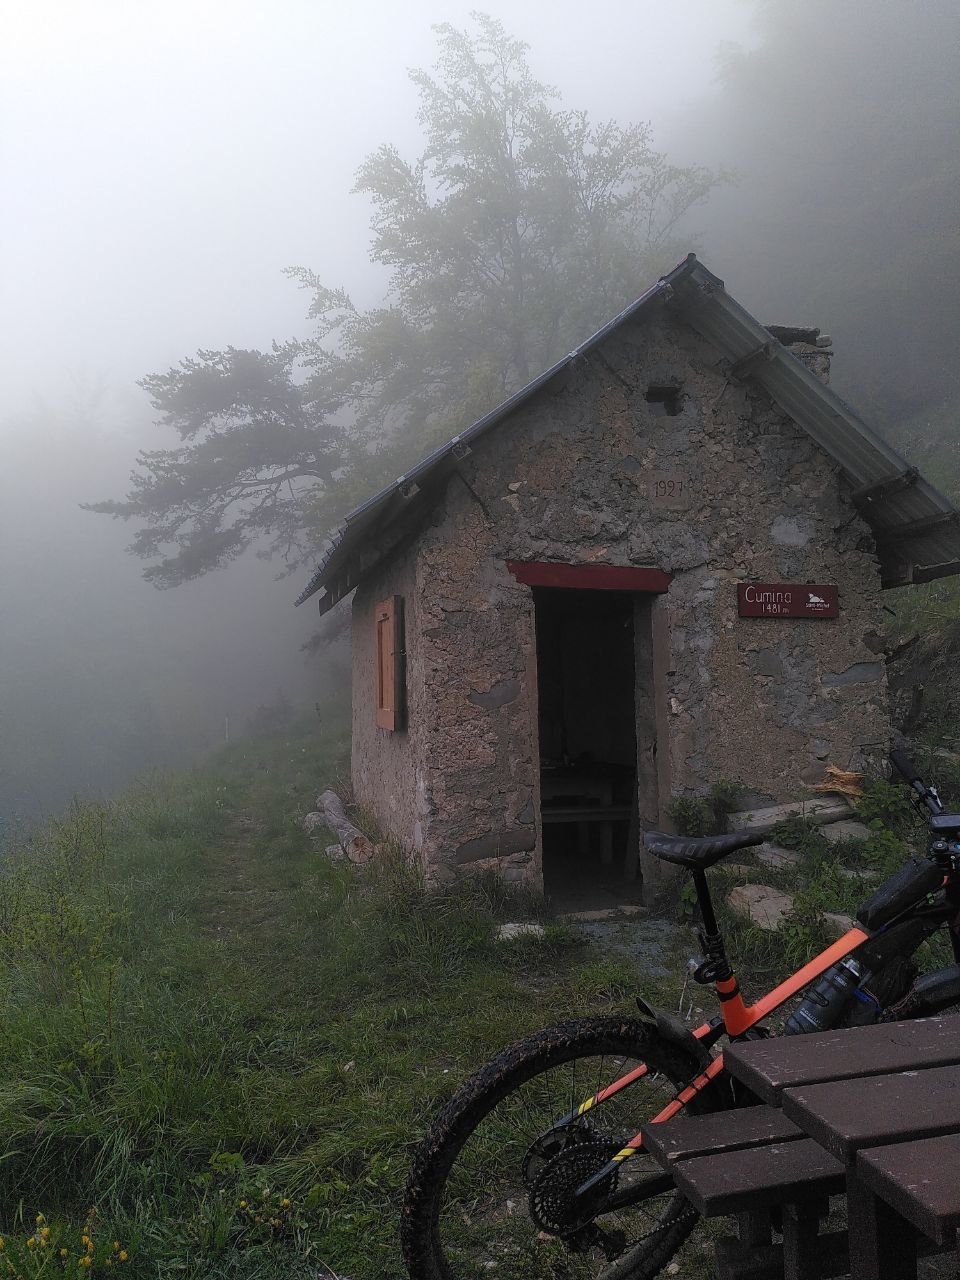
390, 671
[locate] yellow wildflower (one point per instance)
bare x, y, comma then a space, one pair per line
124, 1255
116, 1246
285, 1203
243, 1204
40, 1218
31, 1241
3, 1243
84, 1239
86, 1261
45, 1233
64, 1253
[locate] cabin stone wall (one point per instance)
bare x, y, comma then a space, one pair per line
587, 472
385, 764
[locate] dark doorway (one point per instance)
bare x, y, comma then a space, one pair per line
588, 662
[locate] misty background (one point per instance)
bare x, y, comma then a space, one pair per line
163, 166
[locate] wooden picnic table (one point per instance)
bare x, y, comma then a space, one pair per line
885, 1102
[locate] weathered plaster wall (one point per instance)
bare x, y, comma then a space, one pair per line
572, 477
385, 763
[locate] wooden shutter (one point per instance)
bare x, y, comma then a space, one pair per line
390, 663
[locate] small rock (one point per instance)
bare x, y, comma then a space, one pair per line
848, 829
312, 821
335, 853
837, 924
772, 855
760, 903
622, 911
521, 929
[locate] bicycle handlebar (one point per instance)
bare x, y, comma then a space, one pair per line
908, 771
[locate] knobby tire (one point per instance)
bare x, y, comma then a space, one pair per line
431, 1208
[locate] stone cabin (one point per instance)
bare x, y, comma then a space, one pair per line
659, 565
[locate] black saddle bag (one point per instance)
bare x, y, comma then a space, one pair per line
903, 890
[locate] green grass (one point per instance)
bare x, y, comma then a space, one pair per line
228, 1045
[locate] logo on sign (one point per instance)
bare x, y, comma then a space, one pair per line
786, 600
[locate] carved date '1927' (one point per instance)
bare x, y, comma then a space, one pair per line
669, 490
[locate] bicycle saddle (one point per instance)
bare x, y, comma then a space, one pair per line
698, 852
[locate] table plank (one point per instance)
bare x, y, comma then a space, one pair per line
769, 1066
919, 1179
716, 1132
757, 1177
845, 1115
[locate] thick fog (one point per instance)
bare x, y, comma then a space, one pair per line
163, 165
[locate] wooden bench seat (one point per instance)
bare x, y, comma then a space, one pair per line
754, 1164
586, 813
920, 1180
759, 1177
689, 1136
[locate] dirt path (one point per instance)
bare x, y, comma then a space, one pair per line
244, 897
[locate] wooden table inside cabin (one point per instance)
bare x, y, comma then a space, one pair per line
885, 1101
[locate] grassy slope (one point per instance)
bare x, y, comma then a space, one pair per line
200, 1008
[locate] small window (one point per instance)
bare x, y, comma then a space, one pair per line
390, 664
664, 402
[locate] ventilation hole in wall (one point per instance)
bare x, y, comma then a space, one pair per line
664, 402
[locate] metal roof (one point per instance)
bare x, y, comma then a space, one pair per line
917, 529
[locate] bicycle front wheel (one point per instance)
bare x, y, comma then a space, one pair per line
492, 1190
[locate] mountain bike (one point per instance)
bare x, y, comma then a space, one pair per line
535, 1169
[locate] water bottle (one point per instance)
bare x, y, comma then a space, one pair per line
824, 1005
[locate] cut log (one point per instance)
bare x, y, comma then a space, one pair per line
819, 811
352, 840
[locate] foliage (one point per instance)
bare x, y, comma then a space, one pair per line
888, 804
839, 123
229, 1044
55, 1247
799, 833
519, 230
704, 815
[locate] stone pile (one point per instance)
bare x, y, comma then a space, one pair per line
765, 906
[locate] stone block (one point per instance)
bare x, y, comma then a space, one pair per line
763, 905
519, 929
847, 829
773, 855
837, 924
859, 673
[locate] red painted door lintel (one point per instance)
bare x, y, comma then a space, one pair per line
594, 577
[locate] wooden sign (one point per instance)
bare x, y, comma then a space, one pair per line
787, 600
